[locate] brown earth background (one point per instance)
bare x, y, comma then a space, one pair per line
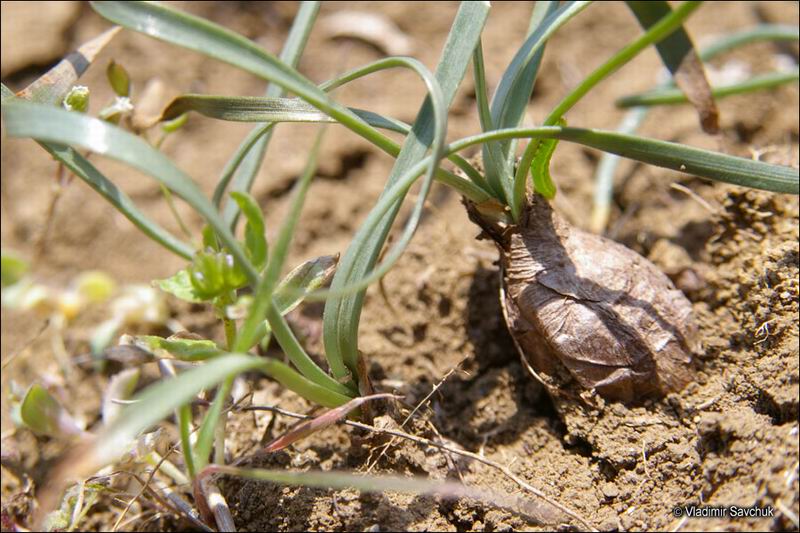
729, 438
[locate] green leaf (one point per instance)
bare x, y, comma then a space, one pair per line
82, 168
761, 32
180, 348
687, 159
690, 160
118, 78
43, 415
672, 96
304, 279
604, 175
47, 123
276, 110
245, 108
171, 126
268, 109
255, 242
251, 154
516, 85
540, 167
654, 34
513, 93
297, 284
263, 301
493, 160
180, 285
342, 315
12, 267
160, 400
215, 41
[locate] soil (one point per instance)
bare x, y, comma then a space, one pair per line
729, 438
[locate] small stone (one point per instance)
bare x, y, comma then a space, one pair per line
610, 491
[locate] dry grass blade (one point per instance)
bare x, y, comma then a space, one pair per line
345, 480
427, 442
680, 57
51, 87
691, 79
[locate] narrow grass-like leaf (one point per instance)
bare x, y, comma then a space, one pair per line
492, 156
245, 108
257, 109
694, 161
514, 111
215, 41
392, 124
687, 159
268, 109
266, 285
514, 90
208, 428
82, 168
341, 316
263, 302
293, 47
297, 284
604, 176
520, 76
540, 168
656, 33
679, 56
672, 96
540, 512
243, 153
160, 399
47, 123
762, 32
184, 416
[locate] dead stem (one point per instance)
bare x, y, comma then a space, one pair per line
218, 505
175, 504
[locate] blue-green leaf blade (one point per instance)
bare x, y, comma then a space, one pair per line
47, 123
